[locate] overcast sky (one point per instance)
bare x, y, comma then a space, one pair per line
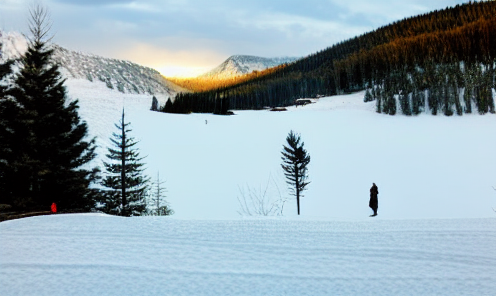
181, 36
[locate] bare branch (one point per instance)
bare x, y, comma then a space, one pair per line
261, 202
158, 196
40, 24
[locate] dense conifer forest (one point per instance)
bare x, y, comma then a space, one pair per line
439, 62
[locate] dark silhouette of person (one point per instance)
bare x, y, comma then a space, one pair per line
374, 203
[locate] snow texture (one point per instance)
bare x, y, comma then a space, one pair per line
425, 166
242, 64
103, 255
435, 233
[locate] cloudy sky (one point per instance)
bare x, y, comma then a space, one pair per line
179, 37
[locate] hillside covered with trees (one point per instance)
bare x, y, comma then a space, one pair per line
439, 62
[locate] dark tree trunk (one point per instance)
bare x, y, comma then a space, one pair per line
297, 189
123, 171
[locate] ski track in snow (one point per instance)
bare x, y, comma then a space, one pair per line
104, 255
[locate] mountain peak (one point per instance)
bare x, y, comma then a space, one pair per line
237, 65
121, 75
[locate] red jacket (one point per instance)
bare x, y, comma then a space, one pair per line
53, 208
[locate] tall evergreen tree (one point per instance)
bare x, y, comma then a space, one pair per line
295, 160
125, 181
50, 153
6, 136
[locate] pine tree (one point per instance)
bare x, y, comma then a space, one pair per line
368, 96
162, 208
154, 104
125, 181
50, 147
418, 101
389, 103
295, 160
379, 100
404, 99
6, 135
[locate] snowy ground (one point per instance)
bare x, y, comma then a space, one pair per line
435, 233
425, 166
102, 255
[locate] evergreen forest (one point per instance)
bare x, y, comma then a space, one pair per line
442, 62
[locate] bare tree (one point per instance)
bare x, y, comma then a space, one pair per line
162, 207
261, 201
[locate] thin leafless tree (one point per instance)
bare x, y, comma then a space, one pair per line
262, 201
161, 206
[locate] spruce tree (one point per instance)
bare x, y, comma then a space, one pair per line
368, 96
167, 107
390, 103
154, 104
295, 160
51, 154
126, 185
379, 100
6, 136
417, 101
404, 99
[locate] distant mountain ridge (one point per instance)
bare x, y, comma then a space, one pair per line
123, 76
237, 65
441, 62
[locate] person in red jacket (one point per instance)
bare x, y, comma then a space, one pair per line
53, 208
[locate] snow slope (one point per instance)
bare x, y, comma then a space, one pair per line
425, 166
237, 65
124, 76
103, 255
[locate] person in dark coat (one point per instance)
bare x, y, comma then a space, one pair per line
374, 203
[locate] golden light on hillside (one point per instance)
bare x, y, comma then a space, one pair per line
182, 72
199, 84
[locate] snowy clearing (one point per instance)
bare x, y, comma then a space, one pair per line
103, 255
425, 166
435, 233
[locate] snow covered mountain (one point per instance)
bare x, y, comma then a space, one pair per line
122, 76
237, 65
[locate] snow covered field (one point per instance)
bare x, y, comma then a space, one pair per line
435, 233
424, 166
103, 255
